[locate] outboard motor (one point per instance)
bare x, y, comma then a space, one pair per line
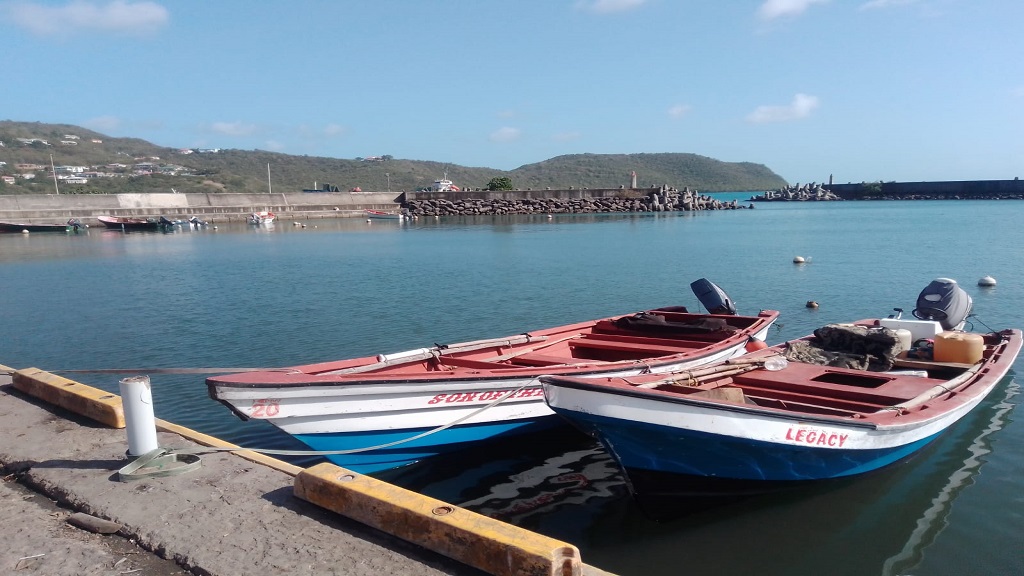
714, 299
944, 302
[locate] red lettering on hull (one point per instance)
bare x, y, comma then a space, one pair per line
484, 396
814, 437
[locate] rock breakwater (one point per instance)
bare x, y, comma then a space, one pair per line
664, 199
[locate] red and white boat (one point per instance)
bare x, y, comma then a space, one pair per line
382, 215
263, 217
850, 399
417, 403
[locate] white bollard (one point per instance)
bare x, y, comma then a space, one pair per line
137, 399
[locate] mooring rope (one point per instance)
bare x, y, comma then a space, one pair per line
279, 452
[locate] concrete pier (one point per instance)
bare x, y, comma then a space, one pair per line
238, 513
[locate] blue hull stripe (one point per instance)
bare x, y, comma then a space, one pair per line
643, 446
406, 453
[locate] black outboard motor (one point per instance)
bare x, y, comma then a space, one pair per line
714, 299
944, 302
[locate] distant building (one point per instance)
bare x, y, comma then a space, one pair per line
70, 137
7, 179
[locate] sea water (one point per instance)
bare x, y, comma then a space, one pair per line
261, 296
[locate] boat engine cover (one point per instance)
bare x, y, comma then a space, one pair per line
714, 299
945, 302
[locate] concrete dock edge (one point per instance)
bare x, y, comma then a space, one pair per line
471, 539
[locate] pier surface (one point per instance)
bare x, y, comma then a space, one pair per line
232, 515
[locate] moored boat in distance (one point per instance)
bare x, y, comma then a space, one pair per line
849, 399
130, 223
382, 215
72, 225
393, 409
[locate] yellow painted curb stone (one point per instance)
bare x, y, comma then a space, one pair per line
473, 539
99, 405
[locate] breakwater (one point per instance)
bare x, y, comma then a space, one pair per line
573, 201
37, 208
939, 190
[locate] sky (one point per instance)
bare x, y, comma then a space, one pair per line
855, 90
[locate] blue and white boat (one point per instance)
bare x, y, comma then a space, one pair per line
850, 399
385, 411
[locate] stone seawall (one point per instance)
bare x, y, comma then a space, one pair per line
663, 199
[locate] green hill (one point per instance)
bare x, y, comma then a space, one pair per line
233, 170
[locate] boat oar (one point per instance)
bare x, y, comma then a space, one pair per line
160, 370
699, 376
516, 353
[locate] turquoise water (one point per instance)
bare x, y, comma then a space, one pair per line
242, 296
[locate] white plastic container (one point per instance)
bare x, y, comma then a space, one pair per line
918, 328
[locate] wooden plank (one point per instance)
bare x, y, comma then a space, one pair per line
650, 350
534, 359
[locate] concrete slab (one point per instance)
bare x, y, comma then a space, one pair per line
236, 514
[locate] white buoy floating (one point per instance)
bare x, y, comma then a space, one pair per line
987, 281
798, 260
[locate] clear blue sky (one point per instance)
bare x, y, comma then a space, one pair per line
865, 90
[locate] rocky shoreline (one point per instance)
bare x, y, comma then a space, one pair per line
664, 200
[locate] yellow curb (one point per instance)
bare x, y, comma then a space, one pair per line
473, 539
99, 405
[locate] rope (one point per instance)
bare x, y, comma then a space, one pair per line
278, 452
159, 463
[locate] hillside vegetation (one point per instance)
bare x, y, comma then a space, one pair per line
233, 170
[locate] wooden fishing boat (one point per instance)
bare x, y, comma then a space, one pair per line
414, 404
72, 225
382, 215
130, 223
847, 400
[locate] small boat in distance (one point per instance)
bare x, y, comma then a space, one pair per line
72, 225
127, 223
263, 217
390, 410
847, 400
382, 215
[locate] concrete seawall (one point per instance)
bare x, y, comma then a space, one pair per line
957, 189
30, 208
58, 208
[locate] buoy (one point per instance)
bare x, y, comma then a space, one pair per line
987, 281
798, 259
812, 304
24, 231
755, 344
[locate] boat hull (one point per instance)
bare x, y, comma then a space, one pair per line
816, 423
393, 449
12, 227
130, 224
338, 406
